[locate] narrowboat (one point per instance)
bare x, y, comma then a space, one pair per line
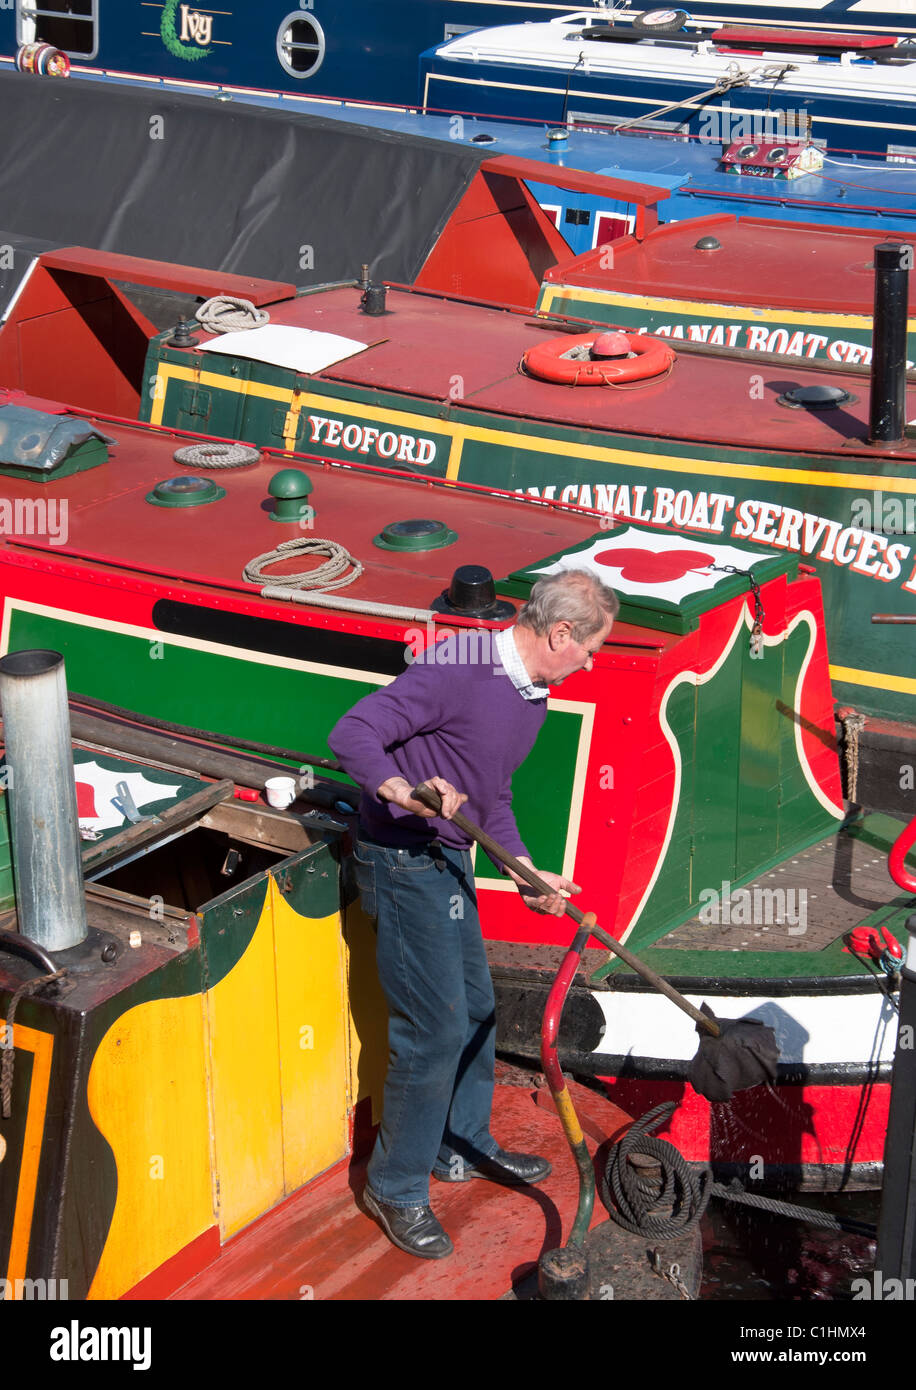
746, 447
194, 1041
693, 769
734, 282
353, 48
854, 92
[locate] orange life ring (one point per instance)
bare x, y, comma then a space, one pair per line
551, 361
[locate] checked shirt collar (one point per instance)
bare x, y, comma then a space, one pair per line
515, 668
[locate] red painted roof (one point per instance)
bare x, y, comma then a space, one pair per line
111, 522
467, 357
760, 262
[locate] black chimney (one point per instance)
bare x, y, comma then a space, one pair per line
887, 415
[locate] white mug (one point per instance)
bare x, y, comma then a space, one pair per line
281, 791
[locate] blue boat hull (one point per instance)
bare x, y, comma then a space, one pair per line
363, 48
499, 90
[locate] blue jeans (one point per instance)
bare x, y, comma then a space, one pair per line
441, 1017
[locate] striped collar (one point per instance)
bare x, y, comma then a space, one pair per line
515, 668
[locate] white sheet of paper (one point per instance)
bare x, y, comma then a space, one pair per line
299, 349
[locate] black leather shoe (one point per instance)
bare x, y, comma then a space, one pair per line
510, 1169
414, 1229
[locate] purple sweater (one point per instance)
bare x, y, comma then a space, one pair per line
465, 722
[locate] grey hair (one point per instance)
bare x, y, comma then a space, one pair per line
573, 596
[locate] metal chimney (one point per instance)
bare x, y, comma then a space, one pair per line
46, 846
887, 414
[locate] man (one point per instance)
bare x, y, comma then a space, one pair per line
463, 726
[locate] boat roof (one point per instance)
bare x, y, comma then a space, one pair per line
427, 341
111, 522
788, 265
115, 519
559, 42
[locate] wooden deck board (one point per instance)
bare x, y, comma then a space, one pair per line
320, 1243
837, 884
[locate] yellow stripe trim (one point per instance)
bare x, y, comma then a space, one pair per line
904, 685
564, 448
694, 307
454, 458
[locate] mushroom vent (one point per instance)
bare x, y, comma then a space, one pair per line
818, 397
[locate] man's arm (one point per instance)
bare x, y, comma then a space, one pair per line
361, 739
501, 825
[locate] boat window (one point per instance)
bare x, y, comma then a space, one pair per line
70, 25
300, 45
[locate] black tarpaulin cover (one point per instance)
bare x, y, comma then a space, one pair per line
201, 182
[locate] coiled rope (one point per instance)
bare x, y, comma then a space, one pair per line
330, 575
640, 1194
226, 314
660, 1201
217, 455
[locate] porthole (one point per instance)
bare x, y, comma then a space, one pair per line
300, 45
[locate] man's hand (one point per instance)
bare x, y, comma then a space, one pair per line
556, 903
398, 790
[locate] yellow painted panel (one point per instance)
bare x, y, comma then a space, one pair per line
242, 1018
312, 1020
368, 1012
147, 1094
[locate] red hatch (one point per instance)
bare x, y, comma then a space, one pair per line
799, 38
